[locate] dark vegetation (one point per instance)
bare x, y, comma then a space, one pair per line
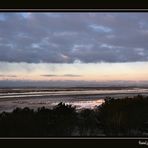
115, 117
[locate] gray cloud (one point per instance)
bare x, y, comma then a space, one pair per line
72, 75
70, 37
65, 75
48, 75
7, 75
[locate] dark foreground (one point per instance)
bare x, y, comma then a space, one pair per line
115, 117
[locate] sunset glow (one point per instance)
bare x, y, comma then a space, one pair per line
81, 71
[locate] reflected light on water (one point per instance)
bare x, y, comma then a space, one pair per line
34, 104
84, 104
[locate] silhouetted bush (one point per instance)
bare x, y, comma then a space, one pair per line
125, 117
87, 123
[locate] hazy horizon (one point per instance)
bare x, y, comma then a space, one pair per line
70, 83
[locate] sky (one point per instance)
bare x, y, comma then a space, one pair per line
92, 47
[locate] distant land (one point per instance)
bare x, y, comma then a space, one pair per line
71, 83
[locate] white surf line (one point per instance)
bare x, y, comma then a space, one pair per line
67, 95
77, 92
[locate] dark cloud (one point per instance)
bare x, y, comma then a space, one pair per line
65, 75
8, 76
72, 75
48, 75
70, 37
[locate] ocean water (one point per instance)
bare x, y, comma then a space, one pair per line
80, 98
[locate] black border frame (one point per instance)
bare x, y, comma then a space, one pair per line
73, 6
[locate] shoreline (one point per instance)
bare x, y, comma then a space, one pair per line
9, 98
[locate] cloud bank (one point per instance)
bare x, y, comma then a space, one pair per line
73, 37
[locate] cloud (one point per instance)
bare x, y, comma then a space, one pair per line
65, 75
8, 76
99, 28
72, 75
69, 37
48, 75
